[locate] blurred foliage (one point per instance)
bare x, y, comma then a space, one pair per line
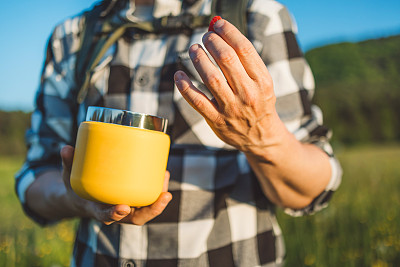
22, 242
13, 126
358, 89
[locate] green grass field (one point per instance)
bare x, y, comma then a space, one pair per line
361, 227
22, 242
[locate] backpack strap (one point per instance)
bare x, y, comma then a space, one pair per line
99, 33
233, 10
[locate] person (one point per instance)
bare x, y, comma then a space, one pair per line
245, 138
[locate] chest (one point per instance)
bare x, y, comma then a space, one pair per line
138, 75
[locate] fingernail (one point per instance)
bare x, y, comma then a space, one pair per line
218, 24
192, 50
212, 22
121, 213
194, 47
178, 76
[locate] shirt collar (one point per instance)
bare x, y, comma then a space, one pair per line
161, 8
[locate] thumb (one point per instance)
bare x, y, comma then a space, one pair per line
67, 156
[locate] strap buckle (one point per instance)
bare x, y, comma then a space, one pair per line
173, 22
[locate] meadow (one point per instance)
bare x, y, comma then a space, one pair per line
361, 226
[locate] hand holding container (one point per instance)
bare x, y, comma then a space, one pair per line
120, 157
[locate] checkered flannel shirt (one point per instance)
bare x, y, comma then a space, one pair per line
218, 215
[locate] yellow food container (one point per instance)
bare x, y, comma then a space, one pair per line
120, 157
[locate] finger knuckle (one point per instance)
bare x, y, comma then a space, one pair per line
231, 31
214, 81
197, 101
245, 50
156, 211
209, 38
197, 57
267, 82
227, 57
250, 99
219, 121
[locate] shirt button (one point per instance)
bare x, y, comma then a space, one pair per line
143, 80
128, 263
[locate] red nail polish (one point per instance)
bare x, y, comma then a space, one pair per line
214, 19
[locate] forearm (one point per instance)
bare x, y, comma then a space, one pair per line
291, 173
47, 197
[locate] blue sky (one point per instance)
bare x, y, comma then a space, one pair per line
26, 25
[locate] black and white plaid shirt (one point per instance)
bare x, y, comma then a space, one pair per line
218, 215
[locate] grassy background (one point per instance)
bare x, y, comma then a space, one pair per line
361, 225
22, 242
359, 228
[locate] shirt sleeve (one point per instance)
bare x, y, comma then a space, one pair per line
272, 30
53, 122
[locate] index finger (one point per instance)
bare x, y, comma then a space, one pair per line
142, 215
244, 49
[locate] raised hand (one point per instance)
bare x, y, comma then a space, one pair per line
242, 112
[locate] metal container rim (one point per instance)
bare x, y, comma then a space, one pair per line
127, 118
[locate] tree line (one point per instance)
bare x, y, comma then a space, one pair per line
358, 89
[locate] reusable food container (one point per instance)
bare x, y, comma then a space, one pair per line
120, 157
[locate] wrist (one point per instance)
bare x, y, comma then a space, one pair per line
275, 143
